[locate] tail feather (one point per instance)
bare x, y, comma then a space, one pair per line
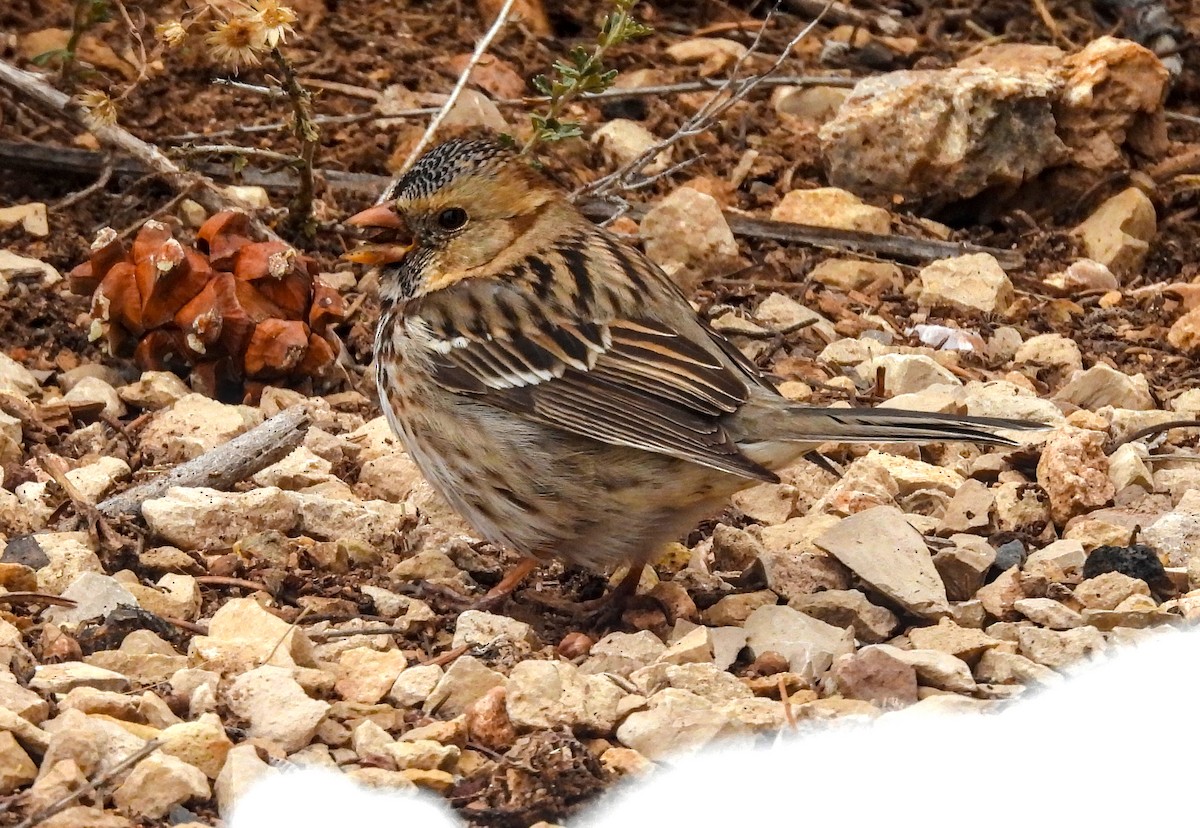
893, 425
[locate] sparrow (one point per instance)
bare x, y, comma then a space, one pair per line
555, 386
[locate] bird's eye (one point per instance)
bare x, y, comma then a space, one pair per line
452, 218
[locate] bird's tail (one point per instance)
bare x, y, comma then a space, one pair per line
891, 425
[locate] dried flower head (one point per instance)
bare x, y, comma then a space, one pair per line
171, 33
237, 41
100, 109
276, 20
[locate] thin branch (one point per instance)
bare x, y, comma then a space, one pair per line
300, 213
92, 784
699, 85
223, 466
235, 149
96, 186
734, 89
208, 194
476, 56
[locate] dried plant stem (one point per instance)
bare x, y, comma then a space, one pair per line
207, 193
300, 213
629, 176
480, 50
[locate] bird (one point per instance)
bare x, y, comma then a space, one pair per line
555, 386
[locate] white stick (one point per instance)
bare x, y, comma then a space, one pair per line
480, 50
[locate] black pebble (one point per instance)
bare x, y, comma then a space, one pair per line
1137, 561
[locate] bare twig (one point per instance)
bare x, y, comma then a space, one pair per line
234, 149
843, 13
300, 213
480, 50
96, 186
682, 87
35, 598
223, 466
92, 784
207, 194
629, 176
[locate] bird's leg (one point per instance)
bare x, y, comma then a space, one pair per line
602, 611
493, 599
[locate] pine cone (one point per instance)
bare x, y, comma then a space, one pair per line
234, 312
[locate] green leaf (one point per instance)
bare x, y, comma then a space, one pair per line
542, 84
53, 54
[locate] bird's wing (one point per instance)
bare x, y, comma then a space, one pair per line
586, 368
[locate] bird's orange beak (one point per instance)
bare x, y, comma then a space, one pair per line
382, 217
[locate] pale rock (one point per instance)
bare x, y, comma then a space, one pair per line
934, 667
852, 274
623, 653
32, 737
864, 486
692, 647
1176, 535
1004, 399
391, 476
95, 391
1046, 612
157, 784
849, 608
1094, 533
906, 373
1187, 404
549, 694
625, 762
143, 658
22, 701
890, 556
242, 769
1050, 351
427, 565
247, 197
948, 637
733, 610
914, 475
831, 207
705, 680
1083, 275
375, 523
175, 596
999, 667
154, 391
808, 644
95, 743
1118, 233
964, 566
206, 519
1103, 385
277, 708
687, 236
813, 103
994, 130
475, 109
16, 379
95, 596
155, 712
192, 426
714, 53
202, 743
481, 629
242, 635
728, 642
424, 754
1058, 649
16, 768
1073, 471
82, 816
970, 510
70, 555
466, 680
622, 140
674, 722
96, 479
767, 503
1056, 561
31, 216
299, 469
875, 676
999, 597
372, 743
1021, 507
975, 281
780, 312
67, 675
1127, 466
366, 675
1107, 591
792, 573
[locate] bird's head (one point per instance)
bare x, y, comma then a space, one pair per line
462, 206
